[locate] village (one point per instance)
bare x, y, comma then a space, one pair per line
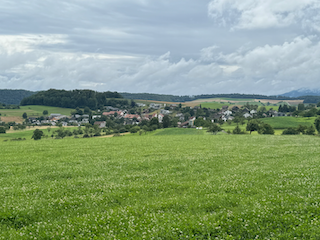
182, 116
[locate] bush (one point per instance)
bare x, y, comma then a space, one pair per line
310, 130
2, 130
290, 131
266, 129
237, 130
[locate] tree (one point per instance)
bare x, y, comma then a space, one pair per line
301, 107
237, 130
290, 131
266, 128
253, 125
135, 129
310, 130
301, 129
133, 104
317, 124
166, 121
154, 121
45, 112
214, 128
86, 110
2, 130
37, 134
24, 115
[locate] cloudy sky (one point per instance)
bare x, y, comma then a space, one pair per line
181, 47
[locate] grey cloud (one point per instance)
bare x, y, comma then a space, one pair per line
165, 46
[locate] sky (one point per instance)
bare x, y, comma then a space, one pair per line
180, 47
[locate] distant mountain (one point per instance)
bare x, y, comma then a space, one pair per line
11, 96
302, 92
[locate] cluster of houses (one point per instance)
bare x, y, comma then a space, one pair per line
154, 111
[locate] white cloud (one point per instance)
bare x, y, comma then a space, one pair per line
268, 69
260, 14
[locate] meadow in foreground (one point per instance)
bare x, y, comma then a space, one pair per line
161, 187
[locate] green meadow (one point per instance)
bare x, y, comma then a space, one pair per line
285, 122
174, 186
34, 110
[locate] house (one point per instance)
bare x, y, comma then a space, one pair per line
184, 124
165, 112
54, 115
246, 115
140, 104
253, 111
85, 120
101, 124
191, 121
132, 116
111, 108
279, 114
112, 113
235, 109
155, 105
228, 113
96, 116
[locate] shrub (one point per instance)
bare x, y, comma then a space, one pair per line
290, 131
266, 129
2, 130
237, 130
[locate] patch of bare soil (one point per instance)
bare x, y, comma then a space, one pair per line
11, 119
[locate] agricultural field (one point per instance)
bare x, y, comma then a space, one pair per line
8, 115
161, 187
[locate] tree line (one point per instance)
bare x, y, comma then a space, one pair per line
13, 97
74, 99
186, 98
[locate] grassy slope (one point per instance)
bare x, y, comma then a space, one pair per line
285, 122
34, 110
166, 187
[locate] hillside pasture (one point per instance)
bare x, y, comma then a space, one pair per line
161, 187
285, 122
32, 111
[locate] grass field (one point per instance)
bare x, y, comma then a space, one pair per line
32, 111
285, 122
161, 187
180, 131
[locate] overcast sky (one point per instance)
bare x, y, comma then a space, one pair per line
181, 47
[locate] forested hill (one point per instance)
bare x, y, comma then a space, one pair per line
173, 98
11, 96
74, 99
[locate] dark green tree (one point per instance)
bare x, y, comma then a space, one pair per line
135, 129
37, 134
24, 115
290, 131
253, 125
310, 130
166, 121
2, 130
301, 107
301, 129
45, 112
154, 121
237, 130
214, 128
317, 124
266, 128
